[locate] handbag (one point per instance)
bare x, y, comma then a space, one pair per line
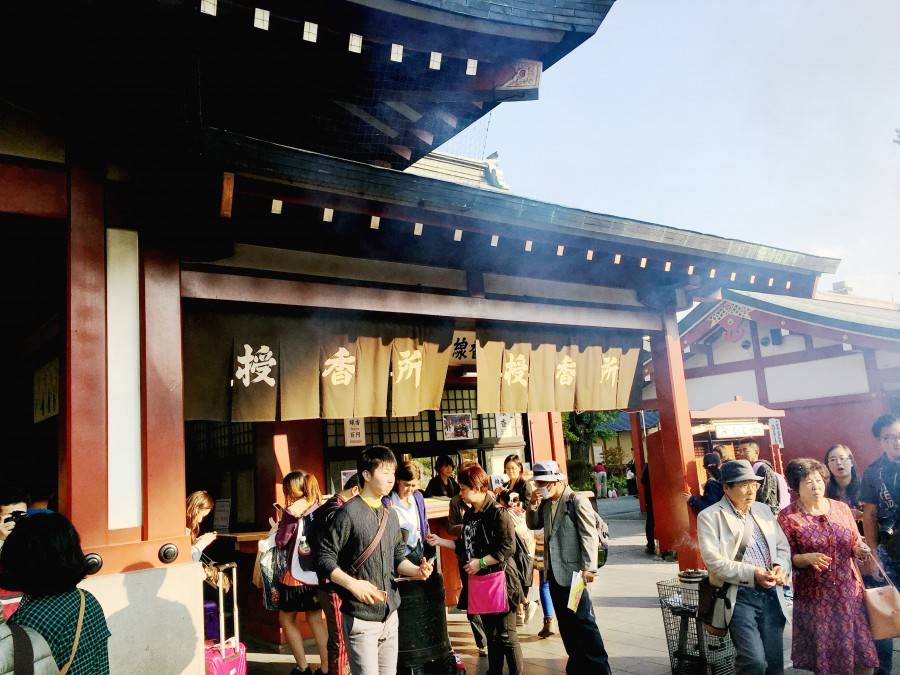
487, 594
712, 601
883, 607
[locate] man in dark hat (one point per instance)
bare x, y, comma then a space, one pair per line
745, 550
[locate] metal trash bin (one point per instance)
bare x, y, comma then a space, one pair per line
692, 650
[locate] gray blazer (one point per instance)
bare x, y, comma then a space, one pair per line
720, 532
568, 550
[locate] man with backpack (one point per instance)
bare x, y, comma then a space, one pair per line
773, 491
572, 538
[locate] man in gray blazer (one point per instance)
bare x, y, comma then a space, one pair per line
570, 546
743, 546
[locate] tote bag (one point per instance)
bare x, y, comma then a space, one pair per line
883, 608
487, 594
305, 577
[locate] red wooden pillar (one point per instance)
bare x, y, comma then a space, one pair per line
83, 470
637, 447
546, 438
678, 443
163, 407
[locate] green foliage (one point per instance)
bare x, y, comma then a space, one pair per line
582, 430
617, 482
578, 471
613, 457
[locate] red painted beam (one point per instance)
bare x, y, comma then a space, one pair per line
33, 191
83, 488
163, 407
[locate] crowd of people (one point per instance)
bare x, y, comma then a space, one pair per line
818, 535
821, 531
340, 561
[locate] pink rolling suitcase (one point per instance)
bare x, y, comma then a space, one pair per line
229, 656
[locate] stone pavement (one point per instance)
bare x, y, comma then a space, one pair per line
625, 601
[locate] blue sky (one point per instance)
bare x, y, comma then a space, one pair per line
771, 121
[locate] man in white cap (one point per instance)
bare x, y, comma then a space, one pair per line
571, 542
747, 553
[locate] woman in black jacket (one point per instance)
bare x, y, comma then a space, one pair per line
443, 484
489, 540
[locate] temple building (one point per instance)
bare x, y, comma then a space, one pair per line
229, 254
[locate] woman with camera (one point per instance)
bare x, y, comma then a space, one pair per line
42, 558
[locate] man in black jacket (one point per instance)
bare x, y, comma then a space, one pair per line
363, 573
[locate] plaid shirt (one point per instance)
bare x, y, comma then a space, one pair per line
757, 552
55, 617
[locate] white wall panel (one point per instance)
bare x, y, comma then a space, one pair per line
155, 617
730, 352
790, 343
887, 359
839, 376
123, 376
705, 392
818, 342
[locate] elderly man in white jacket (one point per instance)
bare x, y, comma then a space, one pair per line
744, 547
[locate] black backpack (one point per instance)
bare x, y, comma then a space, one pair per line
602, 529
524, 564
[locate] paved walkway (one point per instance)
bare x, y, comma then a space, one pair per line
625, 601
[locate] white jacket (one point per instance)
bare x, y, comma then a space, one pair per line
720, 532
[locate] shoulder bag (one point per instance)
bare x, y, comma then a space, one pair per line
712, 601
65, 668
370, 549
883, 607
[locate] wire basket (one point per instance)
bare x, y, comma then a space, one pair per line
692, 651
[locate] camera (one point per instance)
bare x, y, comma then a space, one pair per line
15, 517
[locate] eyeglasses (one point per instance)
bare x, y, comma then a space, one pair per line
890, 438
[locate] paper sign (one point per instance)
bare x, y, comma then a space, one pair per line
354, 432
775, 432
457, 425
222, 515
739, 429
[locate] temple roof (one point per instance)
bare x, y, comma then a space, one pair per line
839, 312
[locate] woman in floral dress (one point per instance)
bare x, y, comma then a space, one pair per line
831, 632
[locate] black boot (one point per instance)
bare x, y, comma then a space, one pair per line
547, 630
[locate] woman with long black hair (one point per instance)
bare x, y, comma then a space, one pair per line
844, 484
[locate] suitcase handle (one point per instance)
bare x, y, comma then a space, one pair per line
237, 640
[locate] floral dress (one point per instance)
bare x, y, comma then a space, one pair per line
831, 632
